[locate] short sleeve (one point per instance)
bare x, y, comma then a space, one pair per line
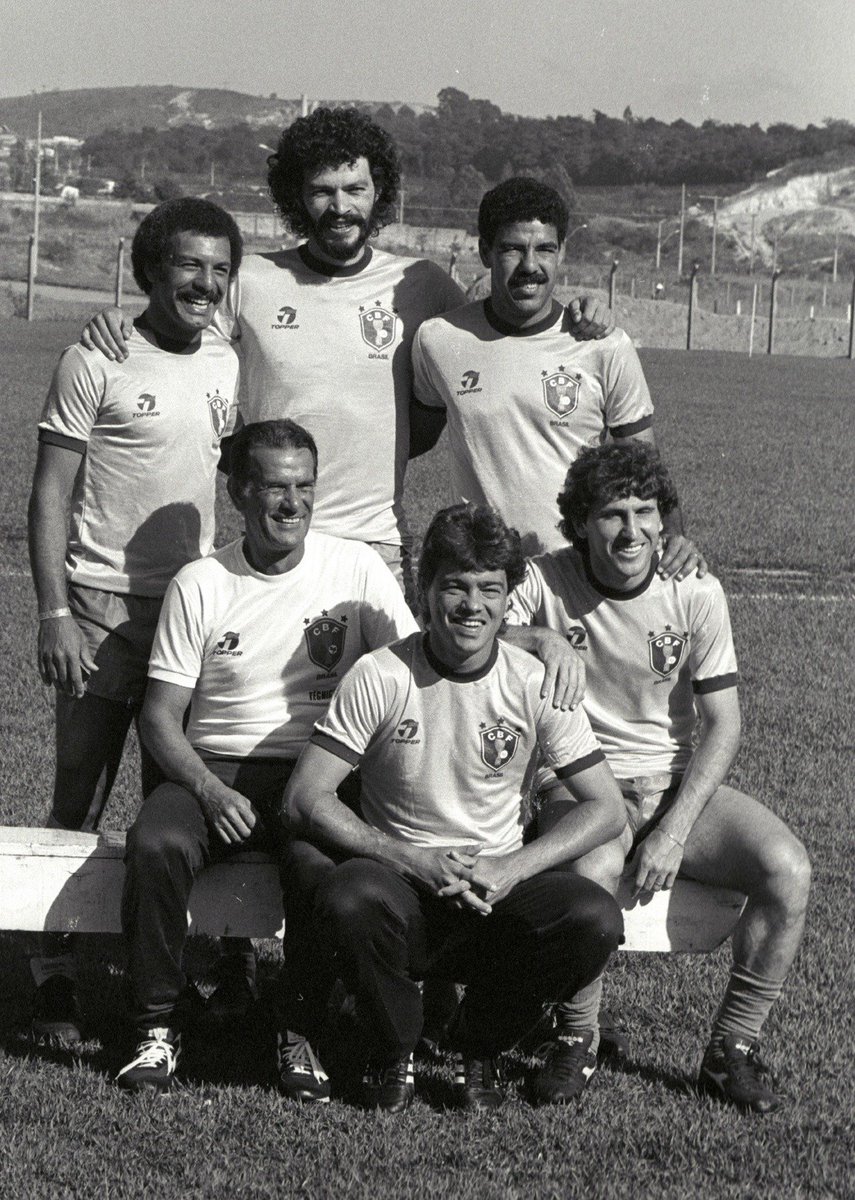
386, 617
567, 742
179, 645
226, 322
712, 657
524, 600
357, 710
629, 408
425, 388
75, 395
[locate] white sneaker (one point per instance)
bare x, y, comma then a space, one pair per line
153, 1065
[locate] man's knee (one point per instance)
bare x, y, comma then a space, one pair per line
785, 869
161, 836
352, 895
603, 865
593, 914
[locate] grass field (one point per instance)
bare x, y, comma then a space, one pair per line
761, 451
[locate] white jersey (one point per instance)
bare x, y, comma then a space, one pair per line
646, 652
149, 430
329, 347
522, 404
263, 653
448, 759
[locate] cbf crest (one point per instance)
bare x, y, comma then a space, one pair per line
498, 744
377, 326
325, 638
666, 651
560, 392
218, 408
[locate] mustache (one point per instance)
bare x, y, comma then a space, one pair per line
330, 220
521, 277
195, 293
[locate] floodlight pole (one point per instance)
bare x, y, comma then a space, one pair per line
38, 193
693, 288
773, 304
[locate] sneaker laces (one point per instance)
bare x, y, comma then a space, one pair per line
566, 1055
300, 1058
478, 1073
155, 1051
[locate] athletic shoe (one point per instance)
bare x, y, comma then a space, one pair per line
153, 1065
568, 1066
476, 1083
56, 1014
614, 1041
391, 1089
301, 1076
733, 1071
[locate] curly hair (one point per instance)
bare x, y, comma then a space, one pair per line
153, 240
472, 537
282, 434
329, 137
521, 199
613, 472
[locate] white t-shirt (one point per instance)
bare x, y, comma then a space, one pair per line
263, 653
448, 759
522, 404
646, 654
329, 347
149, 430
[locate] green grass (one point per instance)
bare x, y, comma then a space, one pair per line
759, 450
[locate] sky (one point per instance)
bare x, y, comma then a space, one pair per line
732, 61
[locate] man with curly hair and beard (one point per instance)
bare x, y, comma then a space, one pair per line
324, 329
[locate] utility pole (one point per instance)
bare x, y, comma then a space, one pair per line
751, 255
682, 228
693, 291
773, 304
833, 266
659, 244
612, 274
715, 200
401, 204
38, 196
852, 322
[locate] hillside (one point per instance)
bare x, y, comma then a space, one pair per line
88, 111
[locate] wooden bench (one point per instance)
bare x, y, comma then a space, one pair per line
58, 881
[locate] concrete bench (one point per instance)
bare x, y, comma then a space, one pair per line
58, 881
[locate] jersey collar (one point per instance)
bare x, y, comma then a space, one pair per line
328, 269
500, 326
459, 676
614, 593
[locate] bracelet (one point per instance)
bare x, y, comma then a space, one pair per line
54, 612
673, 839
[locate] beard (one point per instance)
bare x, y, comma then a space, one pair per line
327, 233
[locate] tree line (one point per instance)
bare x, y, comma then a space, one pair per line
451, 155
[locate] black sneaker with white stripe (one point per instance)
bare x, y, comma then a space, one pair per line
477, 1083
153, 1066
390, 1089
733, 1071
567, 1067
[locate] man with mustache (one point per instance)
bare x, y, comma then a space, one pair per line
325, 329
127, 457
520, 391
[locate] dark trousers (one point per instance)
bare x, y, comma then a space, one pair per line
167, 846
549, 937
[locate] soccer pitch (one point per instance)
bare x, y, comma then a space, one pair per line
761, 451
